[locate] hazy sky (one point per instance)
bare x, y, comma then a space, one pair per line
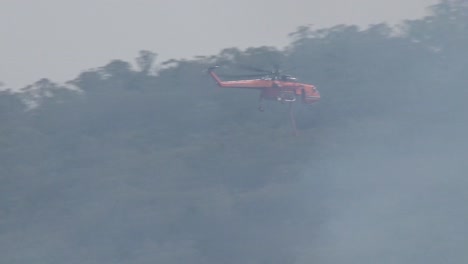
58, 39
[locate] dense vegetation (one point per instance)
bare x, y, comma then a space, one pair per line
160, 166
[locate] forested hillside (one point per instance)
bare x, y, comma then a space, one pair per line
153, 163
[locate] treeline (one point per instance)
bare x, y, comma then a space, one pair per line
155, 164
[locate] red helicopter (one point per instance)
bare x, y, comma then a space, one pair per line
273, 85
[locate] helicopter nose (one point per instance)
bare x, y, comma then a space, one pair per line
311, 95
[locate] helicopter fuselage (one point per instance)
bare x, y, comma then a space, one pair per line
274, 89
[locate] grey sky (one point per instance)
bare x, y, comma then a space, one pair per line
58, 38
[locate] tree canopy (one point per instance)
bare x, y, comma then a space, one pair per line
155, 164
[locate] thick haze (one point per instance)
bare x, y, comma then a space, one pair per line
57, 39
142, 169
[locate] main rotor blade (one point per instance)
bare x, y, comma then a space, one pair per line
252, 68
290, 69
241, 75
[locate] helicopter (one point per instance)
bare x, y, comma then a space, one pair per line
273, 85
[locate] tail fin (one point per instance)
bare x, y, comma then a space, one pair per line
214, 75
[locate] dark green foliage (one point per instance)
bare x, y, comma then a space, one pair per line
136, 167
146, 61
